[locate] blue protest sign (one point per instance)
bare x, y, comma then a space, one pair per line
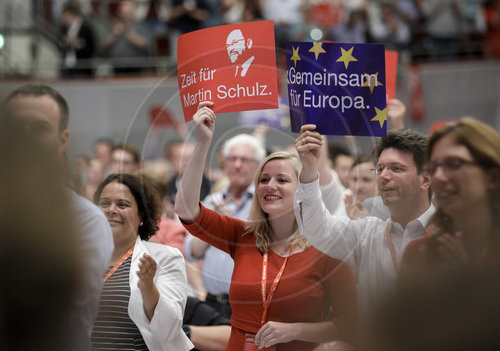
339, 87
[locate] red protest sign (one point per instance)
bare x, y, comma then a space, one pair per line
234, 66
438, 124
160, 116
327, 13
391, 70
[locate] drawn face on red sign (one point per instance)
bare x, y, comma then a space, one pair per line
234, 66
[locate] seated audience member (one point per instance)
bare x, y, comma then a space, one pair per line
80, 165
145, 288
310, 283
443, 26
125, 159
178, 153
362, 185
207, 328
364, 200
242, 155
188, 16
77, 43
371, 246
352, 29
102, 151
95, 175
170, 232
78, 173
159, 170
342, 161
362, 181
128, 42
386, 26
464, 166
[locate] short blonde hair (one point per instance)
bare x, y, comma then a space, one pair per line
258, 221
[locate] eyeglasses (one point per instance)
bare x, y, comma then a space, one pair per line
236, 42
233, 159
393, 168
448, 165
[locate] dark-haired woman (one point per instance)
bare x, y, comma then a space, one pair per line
145, 288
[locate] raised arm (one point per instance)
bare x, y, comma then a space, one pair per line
333, 235
187, 200
396, 110
308, 145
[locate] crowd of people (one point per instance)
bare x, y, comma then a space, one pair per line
305, 248
130, 32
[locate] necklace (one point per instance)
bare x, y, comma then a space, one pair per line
282, 251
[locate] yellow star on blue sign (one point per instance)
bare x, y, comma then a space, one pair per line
295, 57
346, 57
317, 49
371, 81
380, 117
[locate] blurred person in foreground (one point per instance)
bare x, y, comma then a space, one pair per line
44, 115
456, 311
453, 274
464, 166
269, 250
145, 289
43, 267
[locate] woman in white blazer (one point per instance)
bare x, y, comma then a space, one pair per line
145, 289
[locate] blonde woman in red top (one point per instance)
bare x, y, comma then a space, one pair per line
284, 293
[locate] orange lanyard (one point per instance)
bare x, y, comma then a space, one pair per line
391, 246
123, 259
267, 301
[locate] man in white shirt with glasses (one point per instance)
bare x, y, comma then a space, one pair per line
371, 246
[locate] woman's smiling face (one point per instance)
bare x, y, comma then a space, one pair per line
276, 187
456, 180
120, 208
